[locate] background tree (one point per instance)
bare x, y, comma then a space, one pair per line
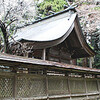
48, 7
14, 14
89, 13
95, 40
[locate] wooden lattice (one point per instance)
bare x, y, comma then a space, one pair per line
57, 85
30, 86
77, 85
91, 85
6, 87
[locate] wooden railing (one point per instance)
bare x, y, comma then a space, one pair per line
33, 79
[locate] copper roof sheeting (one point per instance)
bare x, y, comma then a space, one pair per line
47, 30
15, 61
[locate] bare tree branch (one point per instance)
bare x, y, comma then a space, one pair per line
8, 12
16, 41
1, 23
11, 22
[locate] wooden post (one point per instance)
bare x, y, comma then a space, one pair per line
47, 87
0, 42
47, 53
86, 87
15, 87
15, 82
74, 62
45, 73
84, 62
44, 54
69, 89
98, 86
90, 62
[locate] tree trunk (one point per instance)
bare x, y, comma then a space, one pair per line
5, 36
0, 42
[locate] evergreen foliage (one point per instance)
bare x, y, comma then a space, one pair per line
48, 7
95, 42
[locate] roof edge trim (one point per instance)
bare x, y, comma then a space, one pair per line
47, 17
81, 38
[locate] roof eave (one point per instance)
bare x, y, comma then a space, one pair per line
81, 38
